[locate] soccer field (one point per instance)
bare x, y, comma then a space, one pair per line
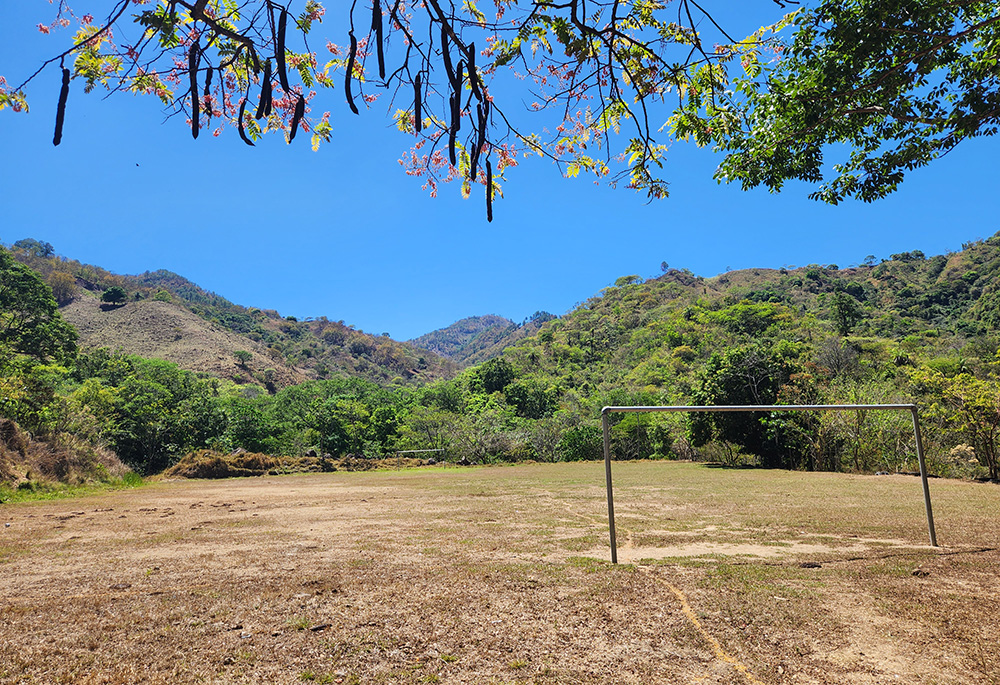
502, 575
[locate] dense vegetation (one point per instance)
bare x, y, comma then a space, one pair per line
910, 328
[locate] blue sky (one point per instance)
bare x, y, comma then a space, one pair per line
345, 234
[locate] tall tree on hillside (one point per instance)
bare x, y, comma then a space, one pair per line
888, 85
845, 312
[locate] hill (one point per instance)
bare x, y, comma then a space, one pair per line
476, 339
164, 330
170, 317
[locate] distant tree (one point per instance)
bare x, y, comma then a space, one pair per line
63, 286
114, 295
582, 443
242, 357
740, 376
35, 248
845, 312
869, 260
495, 375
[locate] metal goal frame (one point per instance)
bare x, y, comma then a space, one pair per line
606, 427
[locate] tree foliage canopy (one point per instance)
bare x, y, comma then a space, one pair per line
892, 84
29, 318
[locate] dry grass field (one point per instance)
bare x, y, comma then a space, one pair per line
501, 575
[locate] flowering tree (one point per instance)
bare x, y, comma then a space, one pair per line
895, 83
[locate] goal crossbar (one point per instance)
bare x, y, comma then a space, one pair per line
606, 426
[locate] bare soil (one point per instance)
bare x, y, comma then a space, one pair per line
501, 575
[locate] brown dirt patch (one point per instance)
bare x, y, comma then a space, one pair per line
484, 575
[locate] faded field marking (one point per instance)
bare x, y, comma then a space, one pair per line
717, 649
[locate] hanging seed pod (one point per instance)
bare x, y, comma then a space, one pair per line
300, 110
489, 191
418, 116
350, 72
280, 51
208, 90
270, 21
451, 148
239, 124
377, 28
195, 100
477, 146
61, 107
264, 106
473, 164
449, 68
473, 75
456, 112
457, 83
253, 59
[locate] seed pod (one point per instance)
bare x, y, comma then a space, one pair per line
280, 50
483, 122
243, 133
477, 146
473, 164
195, 101
61, 107
473, 76
350, 72
457, 83
377, 28
449, 68
264, 106
418, 117
253, 59
456, 112
489, 191
451, 147
270, 21
208, 89
300, 110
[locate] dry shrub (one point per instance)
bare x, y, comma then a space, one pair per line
212, 464
60, 458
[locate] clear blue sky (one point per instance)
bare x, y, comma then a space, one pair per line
345, 234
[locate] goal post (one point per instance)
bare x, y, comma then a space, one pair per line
606, 427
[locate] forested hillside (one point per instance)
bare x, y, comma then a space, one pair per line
478, 338
910, 328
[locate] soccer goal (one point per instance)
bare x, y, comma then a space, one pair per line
606, 425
